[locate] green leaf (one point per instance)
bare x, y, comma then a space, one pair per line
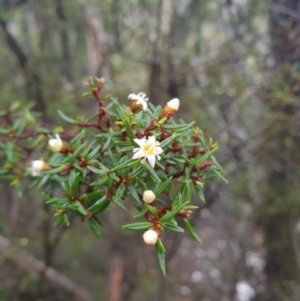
77, 151
199, 193
219, 175
80, 208
141, 184
97, 220
99, 206
168, 141
127, 149
87, 94
121, 206
54, 170
141, 213
152, 171
187, 196
151, 210
158, 164
98, 171
138, 171
112, 158
129, 131
178, 127
160, 252
206, 156
107, 143
134, 193
125, 164
93, 153
172, 227
172, 213
160, 188
58, 203
94, 228
43, 181
119, 193
137, 226
100, 182
66, 220
65, 117
191, 231
118, 108
59, 221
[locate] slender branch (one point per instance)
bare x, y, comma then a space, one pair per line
33, 265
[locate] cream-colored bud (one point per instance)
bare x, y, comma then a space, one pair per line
37, 166
149, 196
150, 237
171, 108
56, 145
174, 104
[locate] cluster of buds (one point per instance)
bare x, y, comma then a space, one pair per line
56, 145
140, 102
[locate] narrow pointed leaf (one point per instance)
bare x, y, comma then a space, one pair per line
191, 231
94, 228
138, 226
172, 213
160, 252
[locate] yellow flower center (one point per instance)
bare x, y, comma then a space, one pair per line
149, 149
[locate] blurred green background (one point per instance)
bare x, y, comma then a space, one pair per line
234, 64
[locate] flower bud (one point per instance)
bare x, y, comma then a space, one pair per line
139, 102
56, 145
171, 108
37, 166
148, 196
150, 237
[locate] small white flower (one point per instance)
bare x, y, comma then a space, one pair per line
36, 167
140, 99
150, 237
148, 149
148, 196
56, 145
174, 104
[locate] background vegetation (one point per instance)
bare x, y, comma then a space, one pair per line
234, 64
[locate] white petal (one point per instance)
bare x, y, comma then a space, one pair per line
140, 142
138, 154
145, 106
158, 150
138, 98
158, 157
152, 140
151, 160
57, 137
133, 96
143, 160
136, 149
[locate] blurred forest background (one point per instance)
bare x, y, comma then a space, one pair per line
234, 64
